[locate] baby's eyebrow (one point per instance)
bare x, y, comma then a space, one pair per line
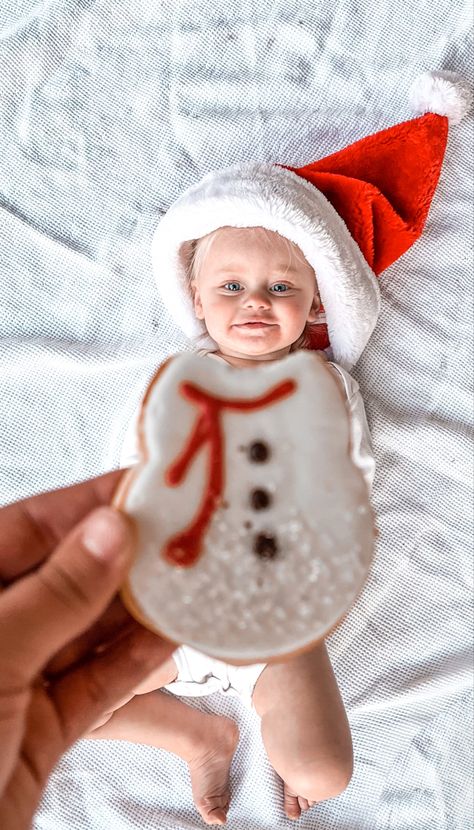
287, 269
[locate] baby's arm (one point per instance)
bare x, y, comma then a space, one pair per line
361, 445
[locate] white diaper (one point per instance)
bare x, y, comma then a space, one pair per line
199, 675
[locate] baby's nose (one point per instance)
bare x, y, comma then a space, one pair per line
257, 299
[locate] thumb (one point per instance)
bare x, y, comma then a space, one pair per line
44, 611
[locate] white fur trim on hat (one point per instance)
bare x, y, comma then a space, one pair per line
444, 93
270, 196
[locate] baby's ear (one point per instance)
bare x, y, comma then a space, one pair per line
197, 301
315, 306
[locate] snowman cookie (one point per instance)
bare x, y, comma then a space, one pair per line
254, 527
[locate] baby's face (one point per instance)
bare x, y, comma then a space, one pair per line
254, 302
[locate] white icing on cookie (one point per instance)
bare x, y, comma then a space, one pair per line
277, 568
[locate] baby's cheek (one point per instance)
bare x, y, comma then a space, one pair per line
220, 310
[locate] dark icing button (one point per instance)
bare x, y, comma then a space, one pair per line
260, 499
258, 451
265, 546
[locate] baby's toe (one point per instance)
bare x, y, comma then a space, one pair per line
290, 803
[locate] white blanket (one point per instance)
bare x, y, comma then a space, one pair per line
108, 110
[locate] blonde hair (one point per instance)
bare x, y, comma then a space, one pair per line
198, 249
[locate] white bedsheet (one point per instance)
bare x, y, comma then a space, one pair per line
108, 110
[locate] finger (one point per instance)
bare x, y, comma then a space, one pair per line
107, 680
79, 700
156, 679
45, 610
32, 528
111, 625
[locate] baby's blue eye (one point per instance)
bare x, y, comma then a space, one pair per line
232, 286
279, 285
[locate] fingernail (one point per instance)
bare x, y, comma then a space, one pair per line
106, 534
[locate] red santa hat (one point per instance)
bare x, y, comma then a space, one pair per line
352, 214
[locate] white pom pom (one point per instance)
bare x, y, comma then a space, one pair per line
445, 93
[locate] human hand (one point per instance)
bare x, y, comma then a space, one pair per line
69, 651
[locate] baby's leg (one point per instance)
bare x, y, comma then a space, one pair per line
206, 742
305, 728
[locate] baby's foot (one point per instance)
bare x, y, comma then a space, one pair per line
294, 804
209, 769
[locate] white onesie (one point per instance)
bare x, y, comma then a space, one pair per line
199, 674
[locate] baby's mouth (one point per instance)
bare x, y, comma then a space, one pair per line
253, 324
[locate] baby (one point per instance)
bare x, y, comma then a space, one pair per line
258, 298
245, 257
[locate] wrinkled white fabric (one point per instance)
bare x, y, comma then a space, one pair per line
108, 111
200, 675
